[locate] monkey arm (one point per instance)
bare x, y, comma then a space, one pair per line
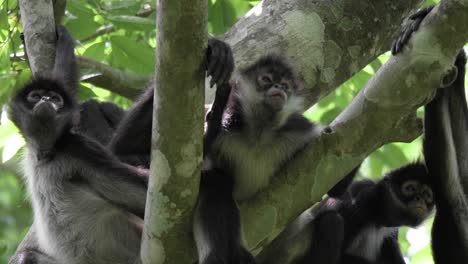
117, 182
133, 135
446, 153
217, 220
215, 116
65, 67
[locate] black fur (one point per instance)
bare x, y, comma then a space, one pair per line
132, 138
446, 152
99, 120
361, 224
67, 169
217, 218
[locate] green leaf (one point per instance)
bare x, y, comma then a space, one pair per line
80, 9
96, 51
3, 247
85, 93
132, 55
83, 27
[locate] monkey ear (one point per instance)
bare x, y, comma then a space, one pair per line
300, 84
449, 77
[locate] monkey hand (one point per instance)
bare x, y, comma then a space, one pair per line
220, 62
411, 26
63, 37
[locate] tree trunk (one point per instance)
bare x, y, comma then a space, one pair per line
177, 131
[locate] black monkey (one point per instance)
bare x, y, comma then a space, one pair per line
360, 225
80, 192
261, 128
132, 138
445, 148
99, 120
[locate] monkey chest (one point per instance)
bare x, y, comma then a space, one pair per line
252, 163
368, 243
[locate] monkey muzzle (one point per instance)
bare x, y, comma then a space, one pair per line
276, 98
418, 208
44, 108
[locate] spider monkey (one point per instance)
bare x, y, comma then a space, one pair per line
257, 129
134, 122
80, 192
445, 148
359, 225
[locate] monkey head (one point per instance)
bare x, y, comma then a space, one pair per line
408, 198
272, 82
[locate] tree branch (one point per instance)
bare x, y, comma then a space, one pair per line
177, 131
379, 114
39, 35
327, 41
120, 82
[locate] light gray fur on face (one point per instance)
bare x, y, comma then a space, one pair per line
74, 224
257, 113
259, 150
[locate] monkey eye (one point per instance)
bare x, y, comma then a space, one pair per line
56, 99
265, 79
34, 97
409, 188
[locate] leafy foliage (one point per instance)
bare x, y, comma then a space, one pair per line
122, 34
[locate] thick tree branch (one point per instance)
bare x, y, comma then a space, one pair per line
379, 114
177, 131
327, 41
120, 82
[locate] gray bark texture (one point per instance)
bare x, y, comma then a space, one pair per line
39, 34
177, 131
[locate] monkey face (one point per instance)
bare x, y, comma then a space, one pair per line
275, 85
407, 203
45, 102
418, 198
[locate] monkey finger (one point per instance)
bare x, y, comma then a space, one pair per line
226, 67
226, 74
218, 68
213, 55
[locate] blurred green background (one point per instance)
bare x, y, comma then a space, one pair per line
129, 46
